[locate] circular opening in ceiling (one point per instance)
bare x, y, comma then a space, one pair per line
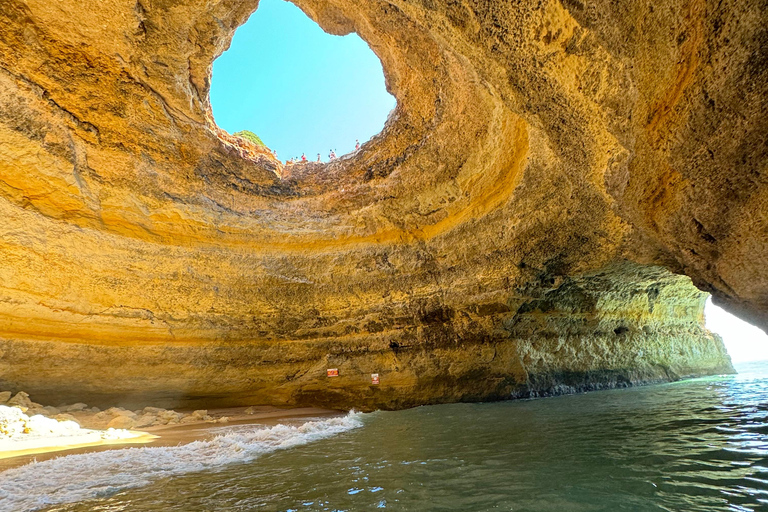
301, 91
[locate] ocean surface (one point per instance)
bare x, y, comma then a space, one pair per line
696, 445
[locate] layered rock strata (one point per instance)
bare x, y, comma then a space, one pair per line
524, 223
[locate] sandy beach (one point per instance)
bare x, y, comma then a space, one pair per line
165, 435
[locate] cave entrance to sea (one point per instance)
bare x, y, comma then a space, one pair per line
745, 342
287, 84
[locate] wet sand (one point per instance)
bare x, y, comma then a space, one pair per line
176, 434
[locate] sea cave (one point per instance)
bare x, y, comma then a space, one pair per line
557, 192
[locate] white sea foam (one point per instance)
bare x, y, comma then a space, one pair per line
89, 475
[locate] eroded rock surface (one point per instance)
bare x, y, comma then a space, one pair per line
523, 225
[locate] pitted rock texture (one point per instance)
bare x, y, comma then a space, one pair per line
515, 229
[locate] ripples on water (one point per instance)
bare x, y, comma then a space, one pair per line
699, 445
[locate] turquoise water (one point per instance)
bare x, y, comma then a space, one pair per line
698, 445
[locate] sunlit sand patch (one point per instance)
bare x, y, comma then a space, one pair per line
21, 434
30, 431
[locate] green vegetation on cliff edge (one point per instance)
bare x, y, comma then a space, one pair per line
250, 136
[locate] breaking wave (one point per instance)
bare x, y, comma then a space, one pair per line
90, 475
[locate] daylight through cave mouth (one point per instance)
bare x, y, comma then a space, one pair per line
301, 91
744, 341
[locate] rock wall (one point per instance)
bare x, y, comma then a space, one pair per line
524, 223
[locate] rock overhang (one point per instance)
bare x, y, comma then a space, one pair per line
533, 146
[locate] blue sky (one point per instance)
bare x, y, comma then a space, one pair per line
298, 88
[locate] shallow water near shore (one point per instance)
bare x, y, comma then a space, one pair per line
697, 445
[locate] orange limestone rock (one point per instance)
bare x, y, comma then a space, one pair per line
558, 182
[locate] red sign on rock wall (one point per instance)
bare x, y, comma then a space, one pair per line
332, 372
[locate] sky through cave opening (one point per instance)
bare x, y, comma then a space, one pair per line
744, 341
301, 90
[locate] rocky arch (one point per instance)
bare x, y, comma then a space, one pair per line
524, 223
